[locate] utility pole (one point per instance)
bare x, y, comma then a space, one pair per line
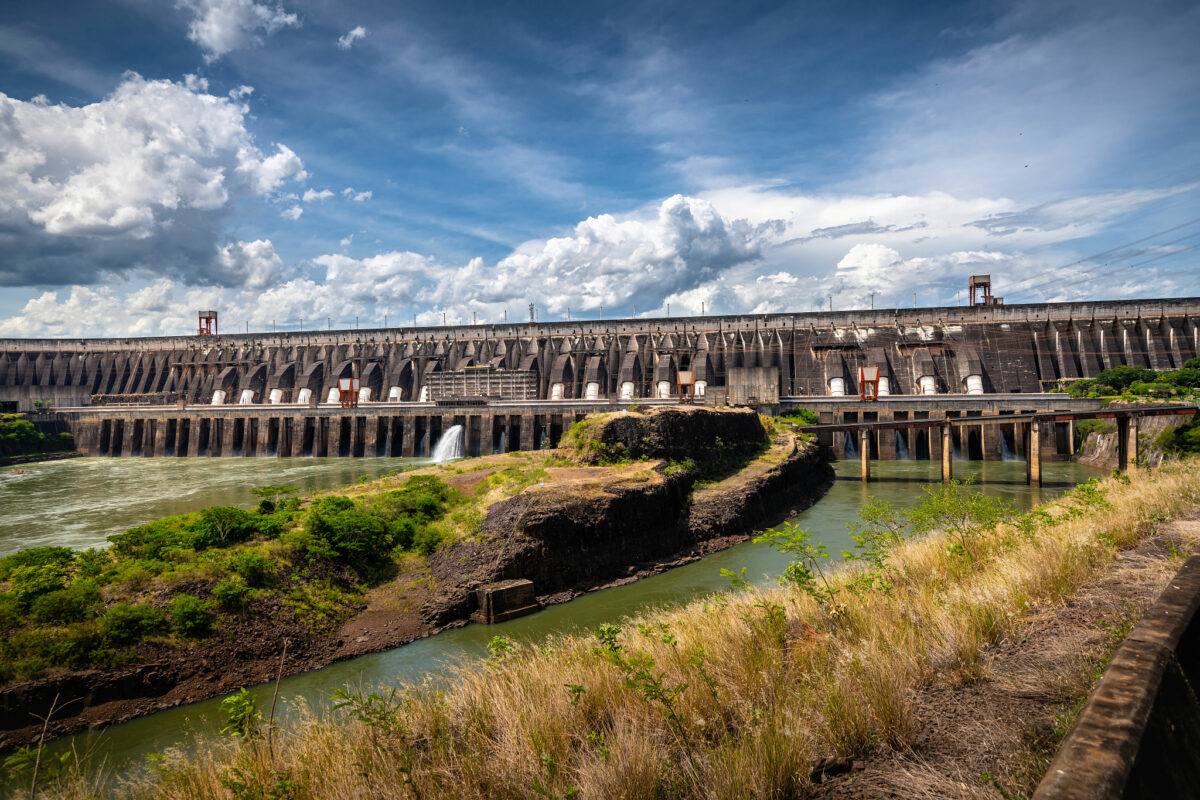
385, 320
443, 319
356, 322
506, 315
302, 323
474, 319
872, 301
958, 297
329, 323
914, 299
830, 304
272, 326
702, 308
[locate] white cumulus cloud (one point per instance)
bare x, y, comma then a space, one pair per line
142, 179
347, 40
220, 26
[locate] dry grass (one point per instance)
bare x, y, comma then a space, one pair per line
773, 682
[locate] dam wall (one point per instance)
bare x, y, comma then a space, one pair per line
759, 358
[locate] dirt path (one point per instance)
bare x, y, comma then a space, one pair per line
1008, 723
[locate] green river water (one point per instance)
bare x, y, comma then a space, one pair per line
79, 502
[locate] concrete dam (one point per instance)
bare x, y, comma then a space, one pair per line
518, 386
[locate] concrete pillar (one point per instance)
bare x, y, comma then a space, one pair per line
487, 434
947, 452
371, 446
297, 424
1033, 462
227, 427
989, 439
194, 429
935, 442
262, 447
160, 437
864, 452
1132, 447
333, 437
127, 438
408, 447
528, 432
886, 438
1071, 436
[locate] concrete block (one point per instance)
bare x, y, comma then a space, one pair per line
504, 601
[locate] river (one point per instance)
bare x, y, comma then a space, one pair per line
125, 746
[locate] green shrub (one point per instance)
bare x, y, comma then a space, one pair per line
354, 538
427, 539
1188, 377
77, 602
1192, 363
155, 540
10, 613
27, 583
36, 557
1144, 389
126, 624
801, 416
231, 593
191, 616
254, 568
221, 526
1180, 440
91, 562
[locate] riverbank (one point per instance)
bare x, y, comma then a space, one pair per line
12, 461
612, 504
777, 681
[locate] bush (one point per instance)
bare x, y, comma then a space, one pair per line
231, 593
1187, 377
27, 583
1156, 389
77, 602
254, 568
801, 416
155, 540
353, 537
1180, 440
221, 526
126, 624
36, 557
10, 613
427, 539
191, 616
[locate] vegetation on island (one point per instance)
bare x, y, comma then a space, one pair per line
737, 694
182, 578
19, 437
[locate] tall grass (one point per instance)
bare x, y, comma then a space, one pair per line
733, 696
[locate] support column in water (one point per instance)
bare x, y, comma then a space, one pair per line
371, 445
1131, 448
408, 446
486, 434
864, 452
947, 452
1033, 459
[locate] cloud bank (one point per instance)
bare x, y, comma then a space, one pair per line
141, 180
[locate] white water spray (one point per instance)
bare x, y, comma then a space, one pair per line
449, 446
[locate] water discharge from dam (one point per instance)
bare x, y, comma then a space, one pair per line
125, 746
450, 446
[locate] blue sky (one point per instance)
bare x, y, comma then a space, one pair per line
326, 160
